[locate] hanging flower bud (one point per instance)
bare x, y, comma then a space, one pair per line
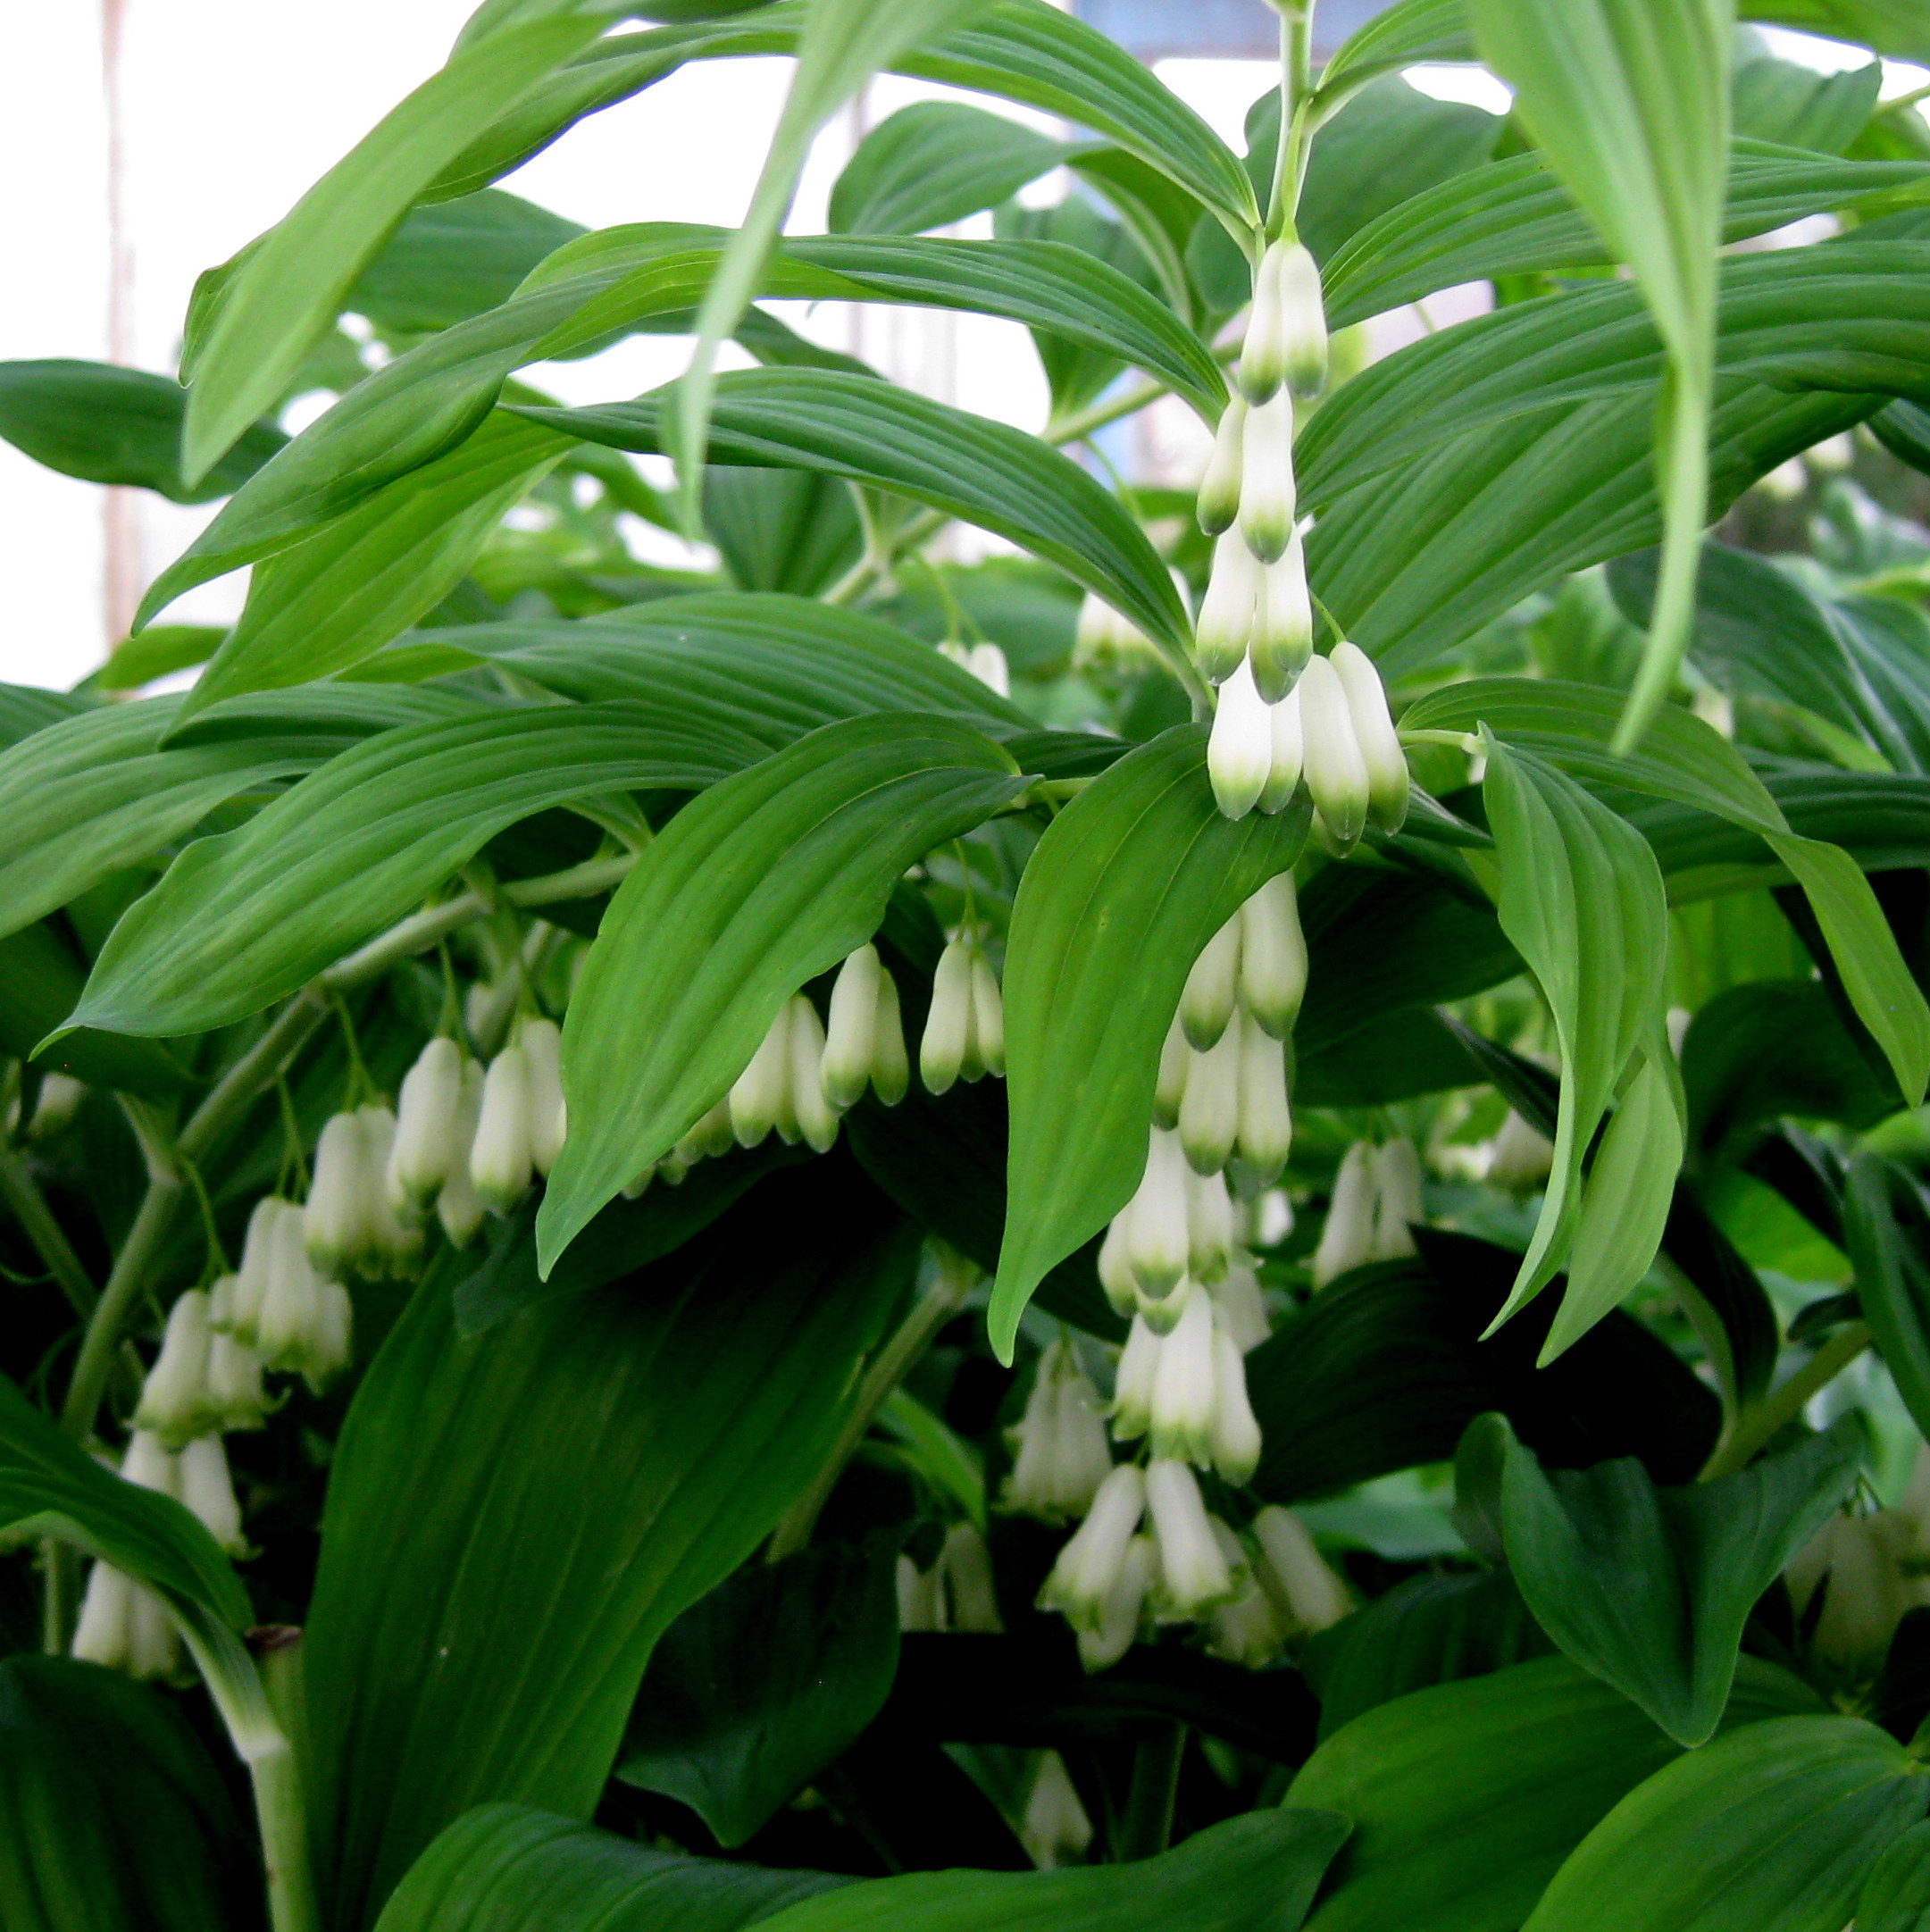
175, 1403
851, 1036
1239, 1308
1521, 1157
1246, 1629
1347, 1241
499, 1159
428, 1146
1055, 1830
987, 1015
1388, 783
1335, 772
890, 1068
290, 1301
712, 1138
336, 1221
1265, 1136
1212, 988
103, 1633
817, 1118
964, 1572
1283, 625
1111, 1634
1193, 1576
222, 1304
331, 1350
395, 1244
251, 1279
1270, 1218
920, 1606
1209, 1226
1156, 1242
1235, 1436
946, 1045
1239, 748
1090, 1565
1303, 318
1132, 1383
1226, 612
1273, 956
208, 1490
1263, 353
1174, 1058
638, 1184
1283, 768
1398, 1205
1115, 1271
760, 1100
1267, 495
1060, 1454
1209, 1115
1306, 1595
235, 1385
1181, 1421
458, 1206
1220, 489
541, 1041
59, 1100
986, 663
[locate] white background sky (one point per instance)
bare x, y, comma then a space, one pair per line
233, 107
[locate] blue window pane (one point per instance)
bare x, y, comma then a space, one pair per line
1155, 30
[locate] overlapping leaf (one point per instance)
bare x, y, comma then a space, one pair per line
934, 164
755, 888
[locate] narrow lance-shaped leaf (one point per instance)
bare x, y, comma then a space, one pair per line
1125, 889
242, 919
1886, 1227
759, 885
1630, 100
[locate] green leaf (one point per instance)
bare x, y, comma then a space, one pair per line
1465, 1798
25, 709
112, 1816
292, 284
1886, 1222
1630, 101
1779, 100
1896, 1896
1384, 1370
503, 1867
934, 164
1776, 1823
1895, 28
1580, 895
782, 530
841, 45
1128, 884
1512, 217
542, 1500
333, 598
41, 977
447, 263
93, 794
755, 888
1650, 1588
159, 651
242, 919
1402, 36
733, 1724
966, 465
113, 425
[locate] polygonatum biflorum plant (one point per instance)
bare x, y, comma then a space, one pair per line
1218, 1223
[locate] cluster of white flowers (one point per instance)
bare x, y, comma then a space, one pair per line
1104, 640
964, 1032
1375, 1203
957, 1592
985, 661
1872, 1570
1283, 714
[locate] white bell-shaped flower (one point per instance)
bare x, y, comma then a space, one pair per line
541, 1041
1116, 1270
1169, 1090
1285, 754
988, 1016
1133, 1381
1110, 1635
1521, 1157
1303, 321
1220, 488
1266, 493
338, 1222
1182, 1407
816, 1117
1398, 1205
290, 1301
458, 1206
244, 1310
1335, 772
713, 1136
890, 1067
965, 1573
1209, 1226
1306, 1595
1270, 1218
1388, 783
1239, 1307
501, 1163
1245, 1630
1282, 624
1263, 351
1212, 988
760, 1097
1273, 956
1088, 1566
920, 1602
1235, 1437
1194, 1577
986, 663
1224, 625
1265, 1131
1157, 1241
395, 1241
104, 1631
1209, 1115
1239, 747
946, 1051
331, 1350
175, 1401
1347, 1240
851, 1036
428, 1146
1061, 1456
208, 1490
235, 1385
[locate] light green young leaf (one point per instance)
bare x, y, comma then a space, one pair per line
1630, 101
1404, 35
1650, 1588
293, 281
1579, 894
874, 433
842, 45
1777, 1824
243, 919
756, 886
1128, 884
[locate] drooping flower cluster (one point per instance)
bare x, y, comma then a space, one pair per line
957, 1592
1284, 716
1375, 1203
965, 1033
